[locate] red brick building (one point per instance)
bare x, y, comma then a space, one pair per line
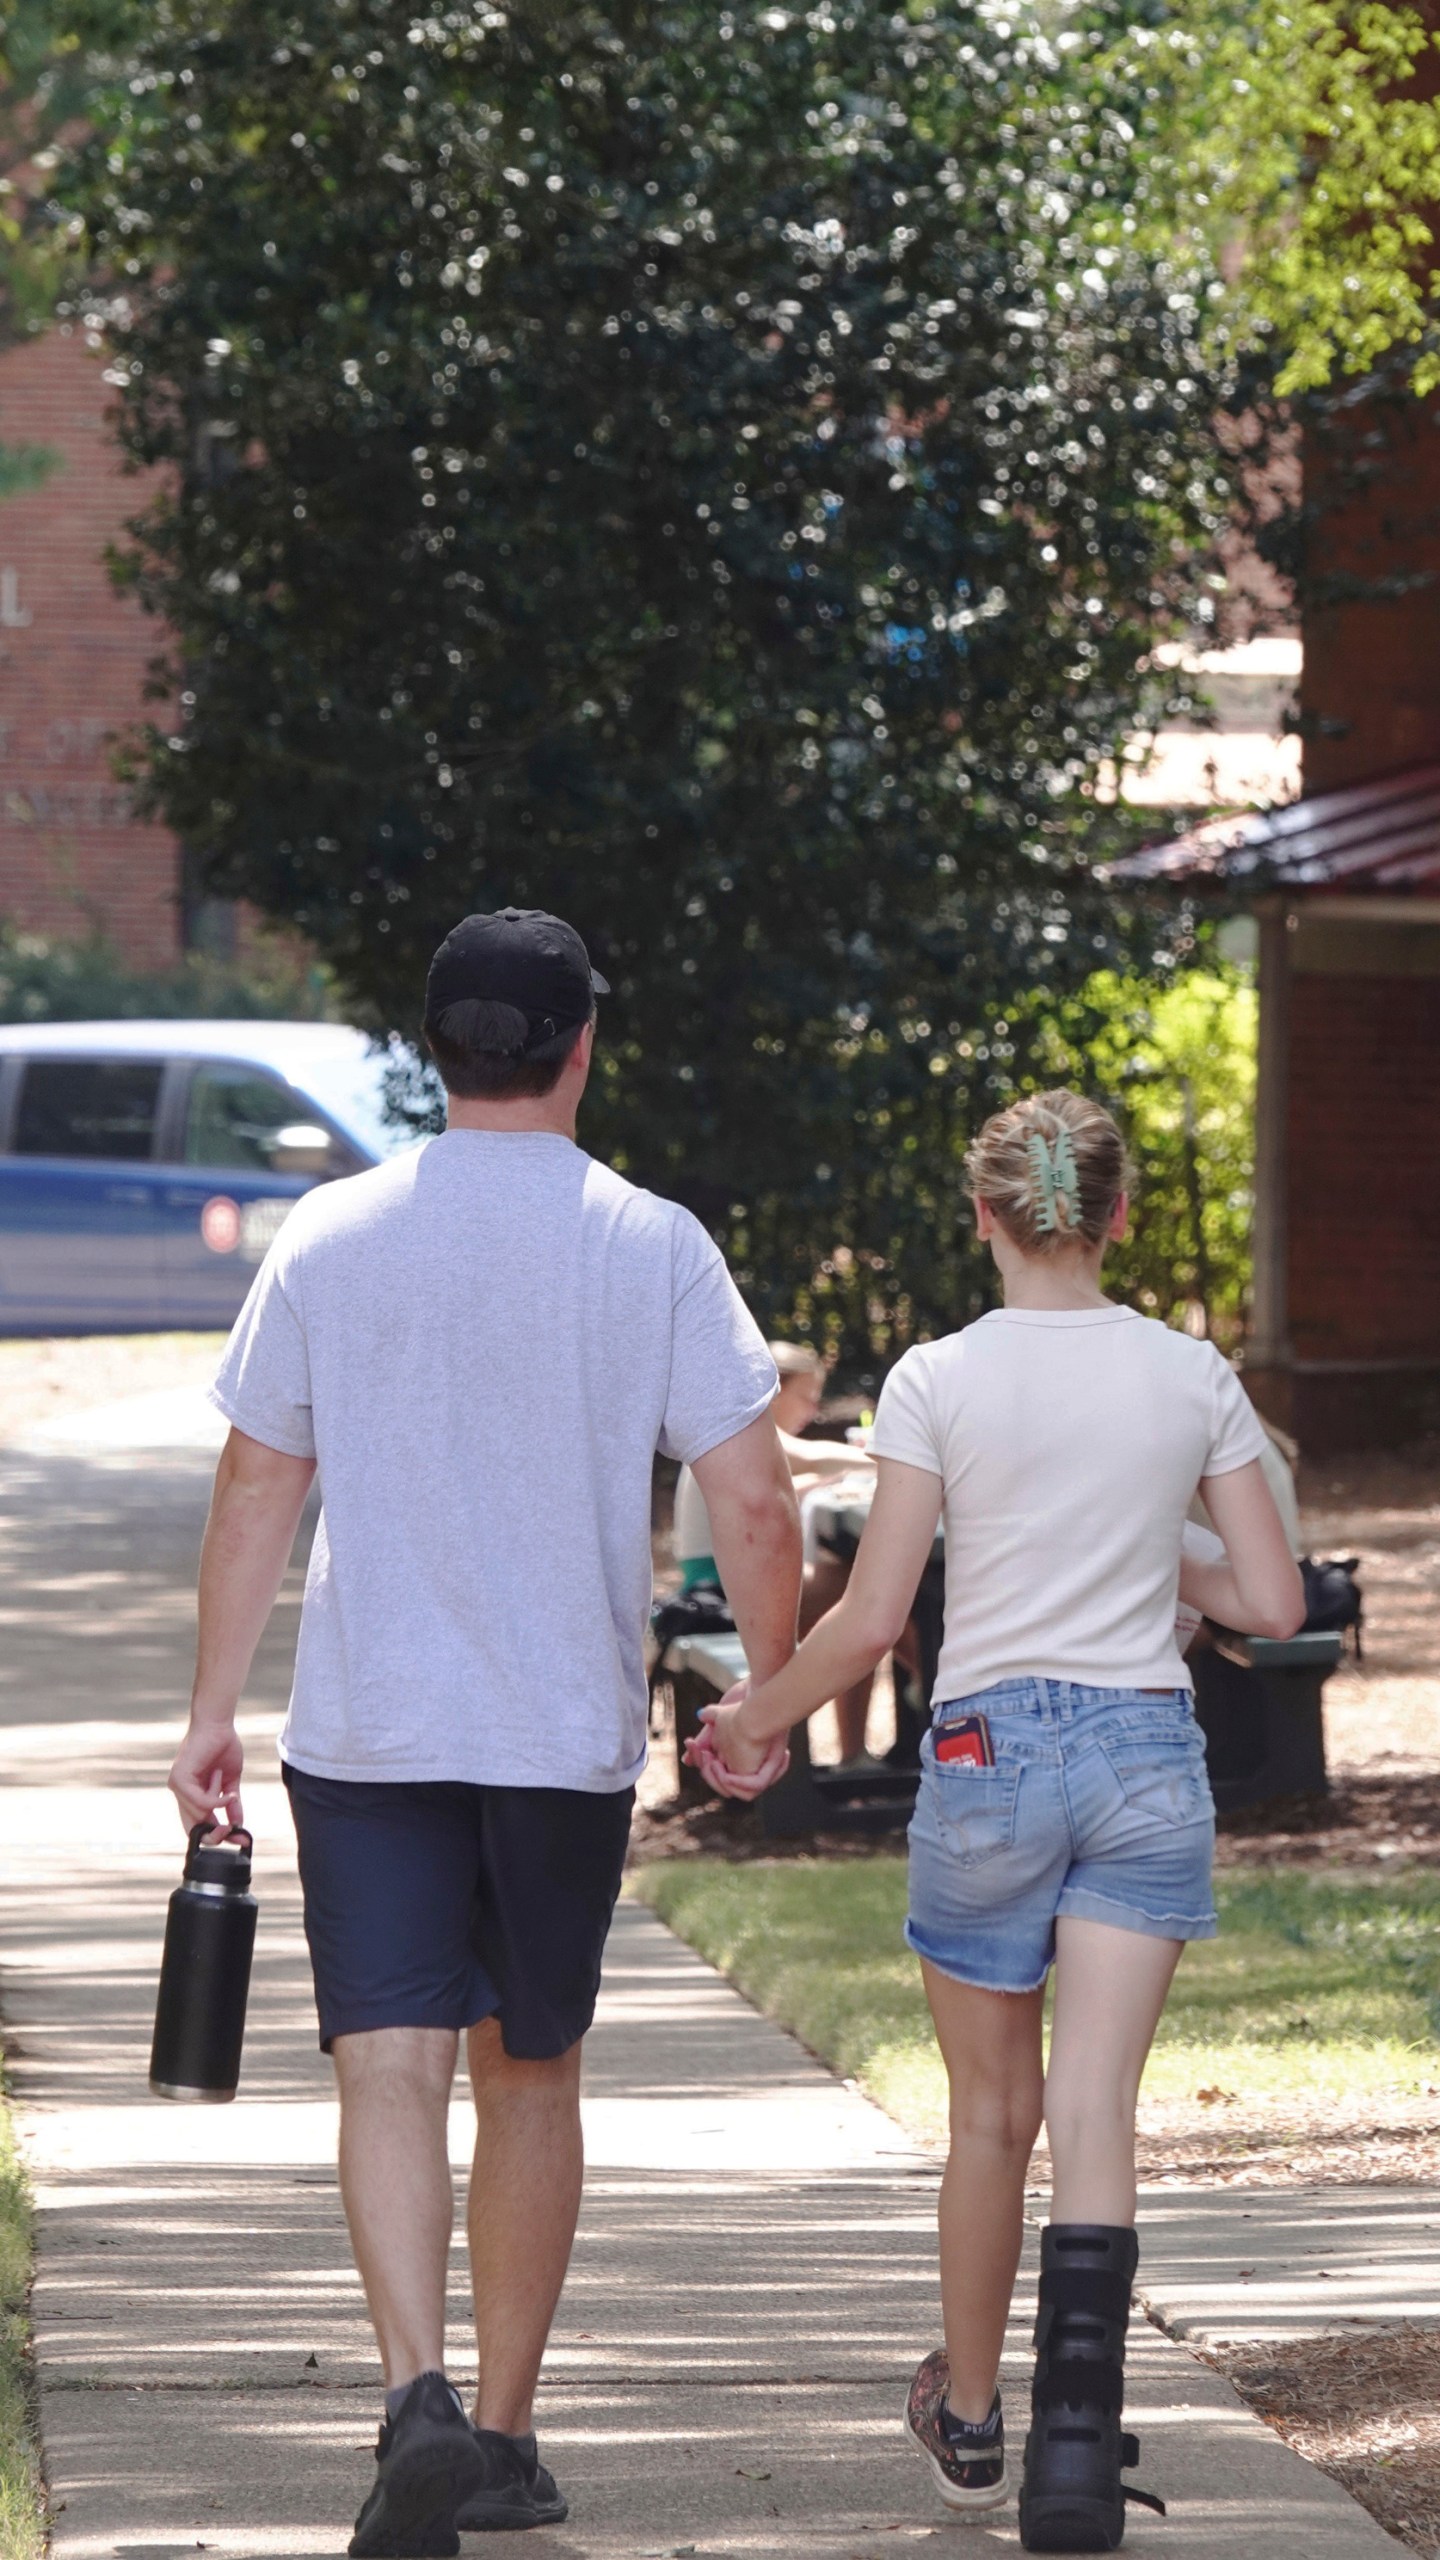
1345, 1336
73, 660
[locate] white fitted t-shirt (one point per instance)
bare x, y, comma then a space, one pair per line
483, 1344
1069, 1444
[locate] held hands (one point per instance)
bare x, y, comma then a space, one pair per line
205, 1778
725, 1756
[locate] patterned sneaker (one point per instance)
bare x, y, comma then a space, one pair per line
519, 2493
967, 2462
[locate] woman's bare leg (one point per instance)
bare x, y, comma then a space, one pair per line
990, 2041
852, 1715
1110, 1987
823, 1585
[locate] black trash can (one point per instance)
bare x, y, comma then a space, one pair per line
1259, 1705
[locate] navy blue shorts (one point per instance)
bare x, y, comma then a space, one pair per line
437, 1906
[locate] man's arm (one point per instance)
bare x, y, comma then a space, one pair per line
755, 1527
254, 1514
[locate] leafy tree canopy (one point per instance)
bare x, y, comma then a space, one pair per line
54, 60
49, 76
687, 466
1300, 141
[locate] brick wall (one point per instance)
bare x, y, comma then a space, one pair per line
1363, 1204
73, 658
1369, 698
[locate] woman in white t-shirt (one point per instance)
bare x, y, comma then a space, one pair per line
1064, 1815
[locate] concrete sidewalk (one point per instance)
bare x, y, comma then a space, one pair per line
1264, 2267
754, 2279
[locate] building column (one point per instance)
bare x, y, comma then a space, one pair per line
1267, 1355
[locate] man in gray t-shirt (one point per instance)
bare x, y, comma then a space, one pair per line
479, 1348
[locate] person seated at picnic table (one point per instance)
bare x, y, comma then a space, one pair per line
816, 1469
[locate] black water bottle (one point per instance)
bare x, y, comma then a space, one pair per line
205, 1971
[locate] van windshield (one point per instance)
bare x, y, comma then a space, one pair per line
352, 1090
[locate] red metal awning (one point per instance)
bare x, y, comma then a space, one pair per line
1376, 835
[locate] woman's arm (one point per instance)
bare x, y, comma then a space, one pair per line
1257, 1590
850, 1639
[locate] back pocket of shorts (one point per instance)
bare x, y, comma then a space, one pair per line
1164, 1780
975, 1809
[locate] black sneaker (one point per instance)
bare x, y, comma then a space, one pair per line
520, 2491
430, 2461
967, 2463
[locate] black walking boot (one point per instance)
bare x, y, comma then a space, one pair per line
1072, 2497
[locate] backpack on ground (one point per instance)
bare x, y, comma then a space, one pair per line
1333, 1601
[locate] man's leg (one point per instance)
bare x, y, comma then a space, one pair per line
395, 2180
524, 2201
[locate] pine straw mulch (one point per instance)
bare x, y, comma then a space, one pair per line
1365, 2409
1281, 2148
1371, 1819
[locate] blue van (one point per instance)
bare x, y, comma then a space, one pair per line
146, 1166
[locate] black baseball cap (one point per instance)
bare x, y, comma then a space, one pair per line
520, 957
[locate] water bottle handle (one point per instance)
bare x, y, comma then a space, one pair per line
235, 1831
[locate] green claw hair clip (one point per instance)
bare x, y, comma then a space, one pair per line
1054, 1178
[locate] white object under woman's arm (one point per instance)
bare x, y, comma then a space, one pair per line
1257, 1589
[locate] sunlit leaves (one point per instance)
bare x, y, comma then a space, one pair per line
1299, 142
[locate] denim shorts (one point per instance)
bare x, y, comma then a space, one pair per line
1098, 1807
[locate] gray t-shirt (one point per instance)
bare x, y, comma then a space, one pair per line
483, 1345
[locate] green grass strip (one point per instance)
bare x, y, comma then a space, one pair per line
22, 2525
1318, 1989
